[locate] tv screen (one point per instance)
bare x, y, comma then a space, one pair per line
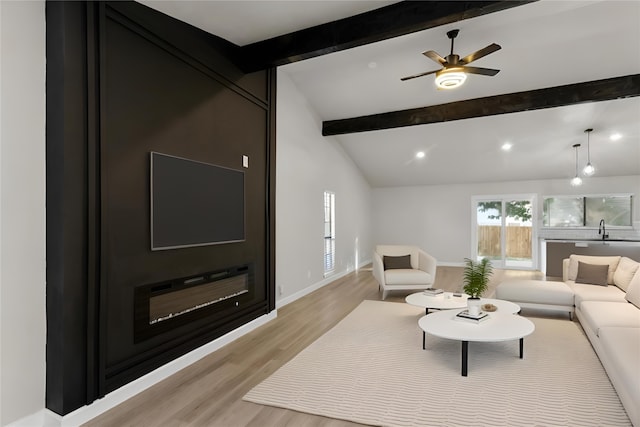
194, 203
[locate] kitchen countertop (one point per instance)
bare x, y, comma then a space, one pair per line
591, 241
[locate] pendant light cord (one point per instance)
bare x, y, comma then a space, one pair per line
588, 131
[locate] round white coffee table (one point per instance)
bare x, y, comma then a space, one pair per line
444, 301
450, 300
501, 326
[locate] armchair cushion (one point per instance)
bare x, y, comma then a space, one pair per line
396, 262
407, 277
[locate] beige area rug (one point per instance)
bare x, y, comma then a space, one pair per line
371, 369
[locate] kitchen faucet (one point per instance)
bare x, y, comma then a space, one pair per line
602, 230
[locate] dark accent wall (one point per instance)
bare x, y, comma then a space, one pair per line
124, 80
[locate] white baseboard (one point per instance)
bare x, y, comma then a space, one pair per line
450, 264
42, 418
291, 298
47, 418
326, 281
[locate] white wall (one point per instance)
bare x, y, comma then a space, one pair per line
438, 217
22, 212
308, 164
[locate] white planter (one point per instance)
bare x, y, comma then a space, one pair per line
473, 305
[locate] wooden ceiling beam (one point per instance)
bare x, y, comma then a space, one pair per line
384, 23
558, 96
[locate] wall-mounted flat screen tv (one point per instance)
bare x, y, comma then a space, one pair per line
195, 203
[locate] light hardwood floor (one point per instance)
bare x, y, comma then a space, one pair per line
209, 392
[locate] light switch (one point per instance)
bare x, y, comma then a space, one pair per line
245, 161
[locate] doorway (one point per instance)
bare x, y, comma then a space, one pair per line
504, 231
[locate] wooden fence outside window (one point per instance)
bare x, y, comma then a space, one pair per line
518, 241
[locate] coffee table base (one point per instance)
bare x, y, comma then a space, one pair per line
503, 326
465, 352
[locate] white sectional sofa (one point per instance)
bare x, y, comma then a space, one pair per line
610, 317
606, 300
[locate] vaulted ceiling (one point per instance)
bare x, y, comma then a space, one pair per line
570, 47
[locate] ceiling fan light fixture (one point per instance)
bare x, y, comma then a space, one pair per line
450, 78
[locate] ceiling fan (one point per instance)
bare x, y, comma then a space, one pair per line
454, 69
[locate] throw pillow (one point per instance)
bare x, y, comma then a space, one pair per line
397, 262
611, 260
633, 292
592, 274
624, 273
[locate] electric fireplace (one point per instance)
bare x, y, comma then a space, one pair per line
160, 307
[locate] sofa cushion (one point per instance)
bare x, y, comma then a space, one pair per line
621, 348
584, 292
633, 292
600, 314
396, 262
592, 274
611, 261
625, 272
407, 277
535, 291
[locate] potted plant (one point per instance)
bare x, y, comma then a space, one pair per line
476, 280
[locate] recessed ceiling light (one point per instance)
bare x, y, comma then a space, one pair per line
420, 155
615, 136
373, 65
506, 146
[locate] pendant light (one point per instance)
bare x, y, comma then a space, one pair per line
588, 169
576, 180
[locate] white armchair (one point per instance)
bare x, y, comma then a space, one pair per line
405, 268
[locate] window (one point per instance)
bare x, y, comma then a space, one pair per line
329, 232
563, 211
587, 211
615, 210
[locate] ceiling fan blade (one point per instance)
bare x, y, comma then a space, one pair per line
480, 53
434, 56
419, 75
481, 71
